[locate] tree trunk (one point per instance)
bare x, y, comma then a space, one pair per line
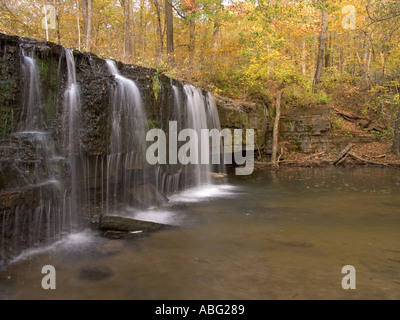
276, 128
143, 30
328, 48
169, 21
87, 23
321, 48
216, 29
160, 30
79, 30
58, 29
303, 58
58, 18
192, 39
215, 34
129, 39
396, 137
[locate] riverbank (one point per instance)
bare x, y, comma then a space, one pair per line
376, 154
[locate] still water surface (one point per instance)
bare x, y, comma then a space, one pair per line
271, 235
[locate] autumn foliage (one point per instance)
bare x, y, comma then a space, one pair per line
238, 48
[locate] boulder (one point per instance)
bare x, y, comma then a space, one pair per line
117, 223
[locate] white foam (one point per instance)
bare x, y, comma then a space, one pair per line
160, 216
70, 241
204, 192
180, 218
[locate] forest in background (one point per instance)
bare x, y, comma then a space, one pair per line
343, 53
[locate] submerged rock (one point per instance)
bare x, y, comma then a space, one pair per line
179, 206
94, 273
110, 248
147, 196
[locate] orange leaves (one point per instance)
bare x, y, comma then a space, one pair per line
190, 6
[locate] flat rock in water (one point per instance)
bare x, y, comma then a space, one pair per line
124, 224
121, 235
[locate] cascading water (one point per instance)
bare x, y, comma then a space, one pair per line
55, 190
71, 126
169, 177
43, 216
214, 123
31, 113
126, 164
193, 110
196, 118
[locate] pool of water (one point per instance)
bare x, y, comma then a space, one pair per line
272, 235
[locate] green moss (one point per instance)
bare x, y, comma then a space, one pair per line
323, 97
44, 67
6, 115
385, 136
49, 80
337, 124
297, 146
153, 124
49, 109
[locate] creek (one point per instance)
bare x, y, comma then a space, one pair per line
272, 235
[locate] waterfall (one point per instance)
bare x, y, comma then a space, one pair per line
196, 118
126, 163
71, 127
71, 106
42, 216
31, 113
195, 110
170, 177
55, 184
214, 123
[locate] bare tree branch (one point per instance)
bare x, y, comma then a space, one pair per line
19, 21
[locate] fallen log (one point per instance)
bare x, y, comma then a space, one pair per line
350, 117
342, 154
365, 160
342, 160
316, 155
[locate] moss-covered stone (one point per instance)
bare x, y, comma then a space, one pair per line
124, 224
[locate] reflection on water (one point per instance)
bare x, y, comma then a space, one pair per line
205, 192
271, 235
